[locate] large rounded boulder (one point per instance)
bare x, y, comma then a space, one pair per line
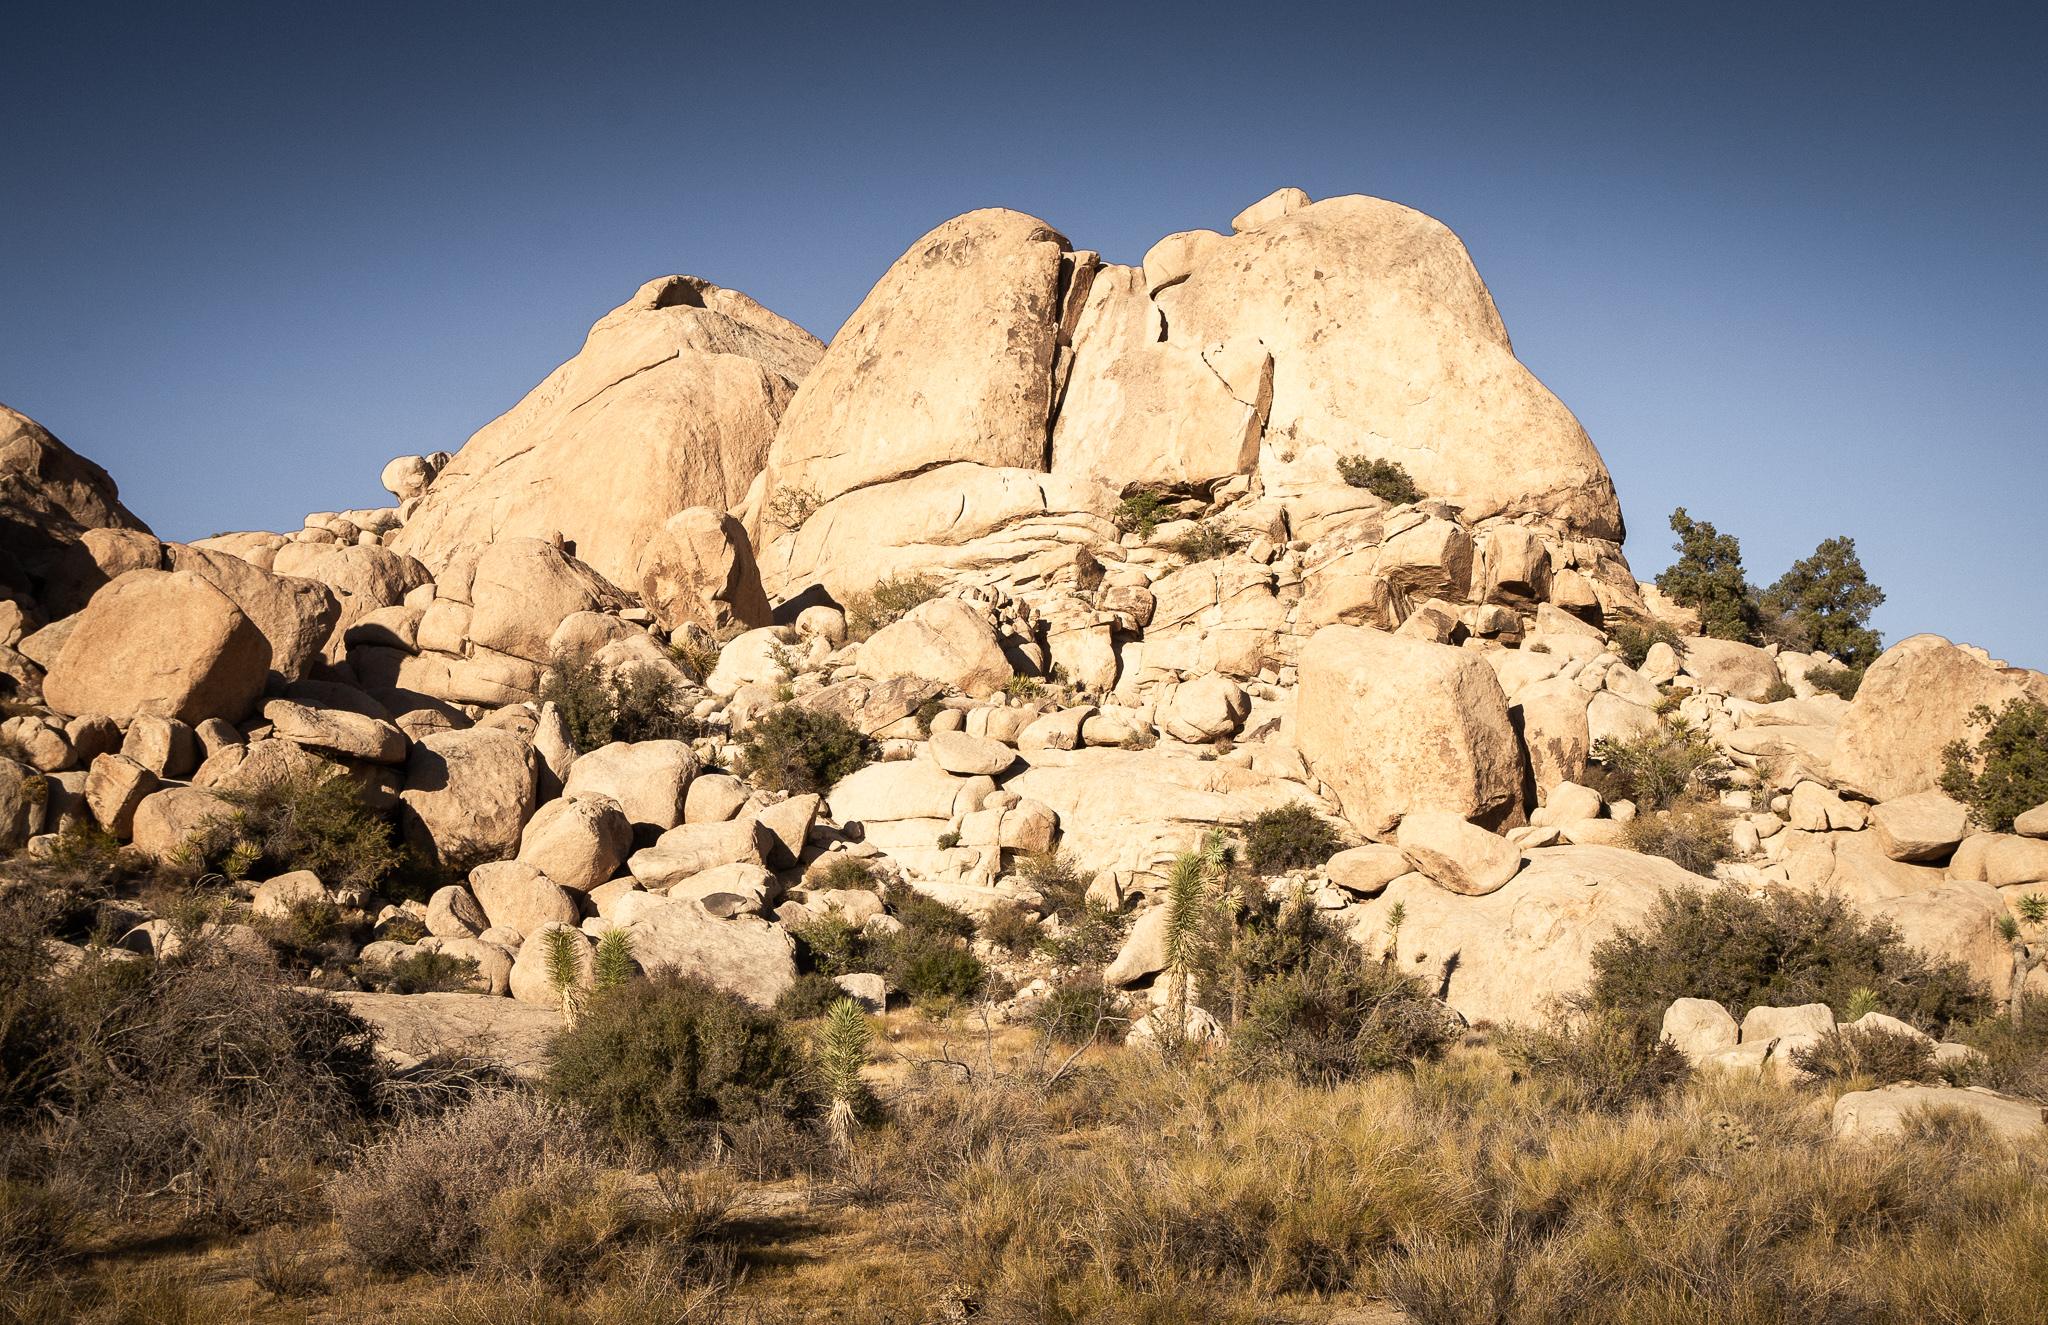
161, 642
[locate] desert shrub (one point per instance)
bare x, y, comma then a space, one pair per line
1779, 950
1078, 1009
927, 914
416, 1200
1289, 838
1780, 690
665, 1062
285, 1264
428, 973
1089, 938
2015, 1056
1055, 876
832, 945
1207, 541
801, 750
811, 994
1009, 928
888, 602
792, 504
633, 703
302, 821
1655, 771
1386, 479
2006, 773
1300, 1000
1633, 640
1024, 688
1602, 1062
932, 966
1140, 513
1859, 1057
310, 932
948, 840
1692, 835
846, 873
208, 1082
1842, 681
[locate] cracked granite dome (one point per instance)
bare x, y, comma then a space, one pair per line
671, 403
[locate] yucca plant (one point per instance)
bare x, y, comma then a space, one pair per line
562, 953
1195, 893
612, 965
841, 1054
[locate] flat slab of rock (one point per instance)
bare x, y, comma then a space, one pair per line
412, 1028
957, 752
1774, 1023
1869, 1115
743, 955
1457, 855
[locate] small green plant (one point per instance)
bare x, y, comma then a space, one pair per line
669, 1060
802, 750
302, 821
1657, 771
1205, 542
1603, 1062
1009, 928
1779, 950
928, 712
1692, 835
1140, 513
846, 873
809, 996
1078, 1008
428, 973
1023, 687
1633, 639
1862, 1057
563, 954
1386, 479
1841, 681
888, 602
834, 946
2006, 773
1780, 690
842, 1053
1057, 879
793, 504
613, 964
1862, 1002
1291, 837
948, 840
635, 703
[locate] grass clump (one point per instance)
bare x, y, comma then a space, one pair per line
1207, 541
427, 973
302, 821
889, 601
1603, 1062
1692, 835
666, 1062
1780, 690
2005, 773
1780, 950
1860, 1057
1386, 479
810, 995
1291, 837
634, 703
801, 750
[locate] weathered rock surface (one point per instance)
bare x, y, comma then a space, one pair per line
944, 640
577, 841
160, 642
698, 568
467, 795
1877, 1115
411, 1028
671, 403
744, 955
1396, 725
52, 496
1913, 702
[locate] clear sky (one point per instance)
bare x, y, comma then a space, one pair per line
1788, 264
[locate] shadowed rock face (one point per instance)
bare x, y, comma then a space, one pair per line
49, 497
670, 404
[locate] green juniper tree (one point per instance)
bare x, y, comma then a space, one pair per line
1708, 578
1824, 603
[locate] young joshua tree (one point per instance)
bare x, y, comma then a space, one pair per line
2028, 935
842, 1053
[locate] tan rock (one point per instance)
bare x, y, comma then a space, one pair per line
699, 568
1923, 826
1455, 854
1699, 1027
1278, 203
1730, 667
647, 779
1204, 709
516, 896
53, 497
114, 786
943, 640
1551, 716
160, 642
2034, 823
337, 731
1914, 701
744, 955
297, 616
165, 820
522, 591
164, 746
1881, 1115
959, 753
467, 795
1768, 1023
671, 403
1509, 954
1397, 726
577, 841
1368, 869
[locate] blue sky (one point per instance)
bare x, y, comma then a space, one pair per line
1788, 267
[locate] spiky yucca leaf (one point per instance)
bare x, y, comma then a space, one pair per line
613, 963
842, 1053
562, 954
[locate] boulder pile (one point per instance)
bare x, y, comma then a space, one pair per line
1097, 560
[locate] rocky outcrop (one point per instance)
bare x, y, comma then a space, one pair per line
1913, 702
160, 642
671, 403
50, 496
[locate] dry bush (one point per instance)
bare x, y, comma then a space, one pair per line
888, 602
1858, 1057
300, 821
571, 1224
1599, 1062
37, 1225
1692, 835
416, 1200
800, 750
